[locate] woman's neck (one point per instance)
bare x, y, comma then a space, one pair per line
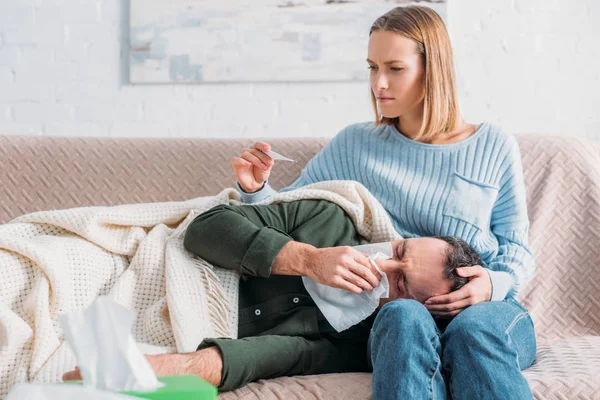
410, 127
410, 123
463, 131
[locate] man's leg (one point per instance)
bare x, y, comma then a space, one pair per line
405, 352
206, 363
484, 349
270, 356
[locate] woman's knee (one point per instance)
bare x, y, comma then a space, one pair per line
492, 325
491, 317
403, 314
404, 330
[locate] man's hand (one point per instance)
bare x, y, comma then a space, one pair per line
343, 267
206, 363
477, 290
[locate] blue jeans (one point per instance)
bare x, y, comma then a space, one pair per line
479, 354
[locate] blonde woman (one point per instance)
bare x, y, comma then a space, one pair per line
436, 175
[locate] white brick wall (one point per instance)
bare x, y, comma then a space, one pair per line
530, 65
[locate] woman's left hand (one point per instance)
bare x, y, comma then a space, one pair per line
477, 290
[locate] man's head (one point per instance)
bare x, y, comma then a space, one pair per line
425, 267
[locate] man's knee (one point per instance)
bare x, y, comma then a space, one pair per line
309, 209
202, 225
210, 214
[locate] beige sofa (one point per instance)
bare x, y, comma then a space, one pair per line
563, 185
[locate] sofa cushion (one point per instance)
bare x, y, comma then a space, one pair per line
566, 369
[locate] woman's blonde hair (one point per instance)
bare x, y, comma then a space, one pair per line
441, 112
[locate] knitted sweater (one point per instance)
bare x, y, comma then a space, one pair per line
473, 189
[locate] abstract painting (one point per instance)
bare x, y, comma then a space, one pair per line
204, 41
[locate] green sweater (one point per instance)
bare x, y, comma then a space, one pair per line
281, 330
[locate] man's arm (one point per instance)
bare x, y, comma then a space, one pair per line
339, 267
294, 238
294, 258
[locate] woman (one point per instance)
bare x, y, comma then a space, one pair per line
436, 175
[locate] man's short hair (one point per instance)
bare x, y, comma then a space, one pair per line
459, 254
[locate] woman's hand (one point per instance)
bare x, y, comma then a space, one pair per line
253, 167
343, 267
477, 290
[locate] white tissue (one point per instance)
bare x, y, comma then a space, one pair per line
107, 355
344, 309
374, 248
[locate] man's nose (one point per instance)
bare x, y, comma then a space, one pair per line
385, 265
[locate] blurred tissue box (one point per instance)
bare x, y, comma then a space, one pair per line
110, 361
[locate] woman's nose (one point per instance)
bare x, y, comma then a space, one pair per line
381, 82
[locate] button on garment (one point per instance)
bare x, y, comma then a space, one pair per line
295, 300
257, 311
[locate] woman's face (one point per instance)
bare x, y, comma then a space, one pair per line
397, 74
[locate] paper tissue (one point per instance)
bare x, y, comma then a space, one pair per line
344, 309
107, 355
109, 359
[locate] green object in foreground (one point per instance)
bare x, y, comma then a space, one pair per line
180, 387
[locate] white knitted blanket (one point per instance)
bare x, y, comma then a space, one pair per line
54, 262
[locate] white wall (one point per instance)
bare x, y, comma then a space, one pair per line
531, 65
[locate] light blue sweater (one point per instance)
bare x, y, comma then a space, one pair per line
473, 189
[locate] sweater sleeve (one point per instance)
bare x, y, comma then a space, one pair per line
322, 167
250, 198
514, 264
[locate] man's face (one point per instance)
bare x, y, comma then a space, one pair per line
417, 269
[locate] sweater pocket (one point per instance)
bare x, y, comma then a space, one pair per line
471, 201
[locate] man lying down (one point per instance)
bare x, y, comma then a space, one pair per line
281, 330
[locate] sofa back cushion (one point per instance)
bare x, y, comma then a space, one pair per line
43, 173
562, 176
